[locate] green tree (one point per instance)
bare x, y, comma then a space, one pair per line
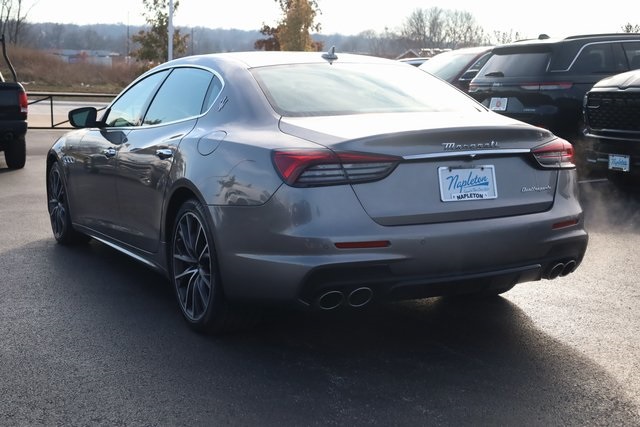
293, 31
153, 43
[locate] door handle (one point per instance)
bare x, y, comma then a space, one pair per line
164, 153
109, 152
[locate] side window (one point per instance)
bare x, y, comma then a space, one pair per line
130, 107
214, 90
632, 52
594, 59
181, 96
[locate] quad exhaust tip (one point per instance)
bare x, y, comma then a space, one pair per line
333, 299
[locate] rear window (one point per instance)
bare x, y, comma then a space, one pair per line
336, 89
521, 64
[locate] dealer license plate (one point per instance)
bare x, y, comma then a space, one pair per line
619, 162
498, 104
462, 184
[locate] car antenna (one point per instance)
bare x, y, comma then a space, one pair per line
330, 55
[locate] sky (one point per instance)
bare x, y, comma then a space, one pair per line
557, 18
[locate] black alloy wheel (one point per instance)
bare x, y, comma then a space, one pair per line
194, 271
58, 207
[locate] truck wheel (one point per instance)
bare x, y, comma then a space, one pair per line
15, 153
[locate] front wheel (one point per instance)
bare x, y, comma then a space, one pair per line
58, 207
194, 272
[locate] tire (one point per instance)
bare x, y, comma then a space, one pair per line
15, 153
195, 275
58, 207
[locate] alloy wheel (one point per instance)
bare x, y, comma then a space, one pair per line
57, 203
192, 274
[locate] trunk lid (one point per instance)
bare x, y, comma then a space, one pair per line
485, 156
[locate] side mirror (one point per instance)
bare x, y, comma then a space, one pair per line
84, 117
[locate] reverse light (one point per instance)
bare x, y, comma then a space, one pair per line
557, 154
311, 168
547, 86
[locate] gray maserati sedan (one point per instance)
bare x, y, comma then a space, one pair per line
320, 181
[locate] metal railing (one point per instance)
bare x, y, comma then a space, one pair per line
49, 97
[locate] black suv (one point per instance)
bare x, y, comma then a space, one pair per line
612, 119
544, 81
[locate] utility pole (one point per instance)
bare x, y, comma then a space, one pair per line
170, 47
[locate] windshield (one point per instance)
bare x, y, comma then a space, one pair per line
325, 89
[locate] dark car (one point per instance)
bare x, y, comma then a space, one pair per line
458, 66
317, 181
612, 118
543, 81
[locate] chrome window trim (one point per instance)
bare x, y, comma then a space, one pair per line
171, 69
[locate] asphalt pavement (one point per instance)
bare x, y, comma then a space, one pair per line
91, 337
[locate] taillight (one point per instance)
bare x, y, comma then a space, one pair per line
557, 154
23, 102
547, 86
310, 168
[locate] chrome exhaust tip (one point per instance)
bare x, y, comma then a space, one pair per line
555, 271
360, 297
569, 267
330, 300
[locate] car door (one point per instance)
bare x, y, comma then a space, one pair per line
146, 158
91, 162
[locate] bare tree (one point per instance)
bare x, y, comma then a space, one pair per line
630, 28
436, 23
442, 28
415, 30
503, 37
463, 31
13, 16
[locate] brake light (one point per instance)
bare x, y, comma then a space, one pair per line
547, 86
310, 168
557, 154
23, 102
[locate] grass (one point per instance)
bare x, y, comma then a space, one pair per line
40, 71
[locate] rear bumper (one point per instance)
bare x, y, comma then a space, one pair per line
295, 259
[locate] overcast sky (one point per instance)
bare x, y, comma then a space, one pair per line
558, 18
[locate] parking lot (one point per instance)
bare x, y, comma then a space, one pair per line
90, 337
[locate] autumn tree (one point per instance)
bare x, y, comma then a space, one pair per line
153, 43
293, 32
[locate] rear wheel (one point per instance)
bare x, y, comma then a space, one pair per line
58, 207
195, 275
15, 153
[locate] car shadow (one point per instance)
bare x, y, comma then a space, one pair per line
106, 328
